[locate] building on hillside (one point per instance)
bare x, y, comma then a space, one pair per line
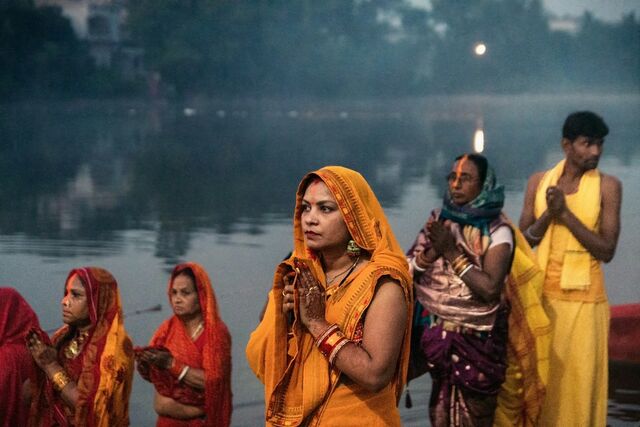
101, 24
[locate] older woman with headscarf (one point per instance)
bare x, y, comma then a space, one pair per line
86, 370
189, 357
460, 262
16, 318
332, 348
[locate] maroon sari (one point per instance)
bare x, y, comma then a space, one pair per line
16, 318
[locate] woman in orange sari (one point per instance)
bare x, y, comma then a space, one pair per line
189, 357
86, 369
16, 318
332, 348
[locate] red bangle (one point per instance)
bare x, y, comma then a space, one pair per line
323, 336
336, 348
330, 342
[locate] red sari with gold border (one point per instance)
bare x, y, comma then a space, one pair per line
211, 351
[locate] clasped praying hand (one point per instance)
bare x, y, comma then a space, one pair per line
303, 287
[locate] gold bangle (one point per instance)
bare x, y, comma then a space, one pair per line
458, 259
60, 380
460, 271
460, 265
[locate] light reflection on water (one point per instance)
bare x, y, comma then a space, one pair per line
137, 189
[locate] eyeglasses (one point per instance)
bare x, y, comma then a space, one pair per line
462, 178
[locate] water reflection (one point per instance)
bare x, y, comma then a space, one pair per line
85, 180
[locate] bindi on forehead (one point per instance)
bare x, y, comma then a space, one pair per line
461, 163
318, 191
465, 167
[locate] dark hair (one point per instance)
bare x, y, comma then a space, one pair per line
186, 272
584, 123
481, 163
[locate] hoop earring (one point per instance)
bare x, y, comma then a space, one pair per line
353, 250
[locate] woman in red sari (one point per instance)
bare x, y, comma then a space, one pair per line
189, 357
16, 318
86, 369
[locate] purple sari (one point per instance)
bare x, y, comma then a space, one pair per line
467, 369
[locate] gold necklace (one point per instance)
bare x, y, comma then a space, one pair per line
330, 281
75, 345
197, 330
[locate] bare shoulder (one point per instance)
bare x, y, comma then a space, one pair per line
532, 188
535, 179
610, 183
611, 189
388, 285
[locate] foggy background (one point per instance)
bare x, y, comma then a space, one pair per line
252, 49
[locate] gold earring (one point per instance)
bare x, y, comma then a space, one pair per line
353, 250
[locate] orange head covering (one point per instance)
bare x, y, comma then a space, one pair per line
297, 381
361, 211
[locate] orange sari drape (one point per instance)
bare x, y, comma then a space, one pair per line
214, 357
103, 371
300, 387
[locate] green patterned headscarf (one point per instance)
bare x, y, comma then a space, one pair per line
482, 210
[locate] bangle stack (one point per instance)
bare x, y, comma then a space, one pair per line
330, 342
461, 265
60, 380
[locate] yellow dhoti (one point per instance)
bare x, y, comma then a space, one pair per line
578, 370
576, 302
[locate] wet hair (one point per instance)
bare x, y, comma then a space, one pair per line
584, 123
481, 162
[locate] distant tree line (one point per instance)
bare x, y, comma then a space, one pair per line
41, 56
330, 48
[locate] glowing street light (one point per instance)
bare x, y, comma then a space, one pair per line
478, 141
480, 49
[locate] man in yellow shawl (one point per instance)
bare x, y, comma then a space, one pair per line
572, 212
332, 348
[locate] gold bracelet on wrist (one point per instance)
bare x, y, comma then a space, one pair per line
60, 380
459, 263
459, 258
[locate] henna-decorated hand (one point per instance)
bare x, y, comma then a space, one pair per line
442, 239
312, 303
44, 355
288, 292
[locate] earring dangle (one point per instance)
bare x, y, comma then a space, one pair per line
353, 250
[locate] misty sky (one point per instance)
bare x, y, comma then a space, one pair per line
609, 10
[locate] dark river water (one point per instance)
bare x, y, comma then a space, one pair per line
137, 188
